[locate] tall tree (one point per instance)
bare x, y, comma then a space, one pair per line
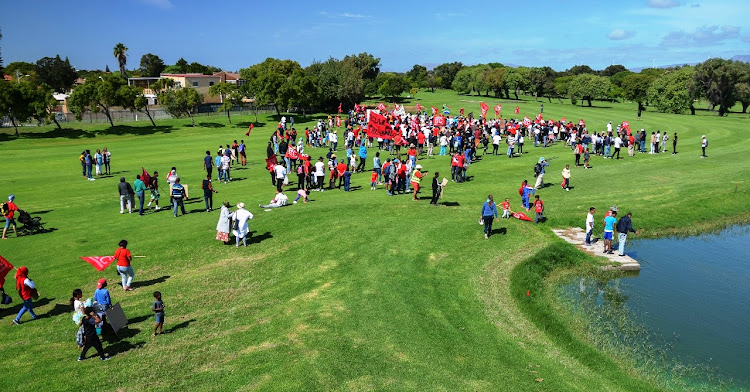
417, 75
151, 65
391, 85
267, 79
613, 69
230, 97
673, 92
301, 90
97, 94
742, 88
181, 102
537, 78
447, 72
1, 52
580, 69
494, 78
517, 79
120, 53
717, 77
433, 80
56, 73
16, 100
589, 86
635, 87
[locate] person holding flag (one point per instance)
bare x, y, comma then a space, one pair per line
498, 108
484, 108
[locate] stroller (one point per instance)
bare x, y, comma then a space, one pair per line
31, 225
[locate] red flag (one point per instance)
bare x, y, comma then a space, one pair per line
357, 131
526, 121
382, 107
249, 128
145, 177
99, 262
419, 107
539, 117
518, 110
434, 110
340, 107
338, 121
357, 108
498, 108
438, 121
5, 267
461, 111
395, 106
625, 124
271, 162
564, 120
484, 108
581, 122
292, 153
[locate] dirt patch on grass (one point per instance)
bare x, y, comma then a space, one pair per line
312, 293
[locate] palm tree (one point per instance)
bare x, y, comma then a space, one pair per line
119, 53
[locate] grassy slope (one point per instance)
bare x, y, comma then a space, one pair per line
351, 291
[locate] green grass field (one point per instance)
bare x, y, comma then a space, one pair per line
352, 291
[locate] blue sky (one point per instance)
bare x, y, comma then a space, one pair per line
234, 34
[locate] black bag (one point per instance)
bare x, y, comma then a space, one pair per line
537, 169
236, 224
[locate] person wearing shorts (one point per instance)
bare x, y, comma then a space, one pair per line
609, 228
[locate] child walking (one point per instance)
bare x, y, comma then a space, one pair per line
506, 208
91, 339
374, 179
158, 308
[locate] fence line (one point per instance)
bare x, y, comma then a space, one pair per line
125, 116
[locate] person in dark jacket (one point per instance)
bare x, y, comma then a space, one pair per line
89, 322
126, 195
624, 226
435, 189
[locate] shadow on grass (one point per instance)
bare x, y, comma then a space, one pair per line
150, 282
247, 124
450, 204
211, 125
13, 310
179, 326
256, 239
39, 212
136, 320
76, 133
501, 230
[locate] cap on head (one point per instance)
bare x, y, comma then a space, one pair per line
101, 283
11, 197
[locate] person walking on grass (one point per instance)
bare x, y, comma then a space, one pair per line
223, 226
208, 163
609, 227
674, 144
506, 208
91, 339
489, 212
178, 196
10, 209
126, 195
538, 209
27, 291
416, 179
158, 308
539, 170
435, 189
208, 191
241, 227
526, 191
624, 226
704, 145
589, 225
566, 178
140, 191
124, 258
153, 186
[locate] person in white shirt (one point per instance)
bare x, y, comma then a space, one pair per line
590, 225
241, 216
618, 144
225, 162
320, 173
496, 138
280, 200
443, 144
280, 172
334, 138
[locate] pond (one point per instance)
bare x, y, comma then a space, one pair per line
692, 299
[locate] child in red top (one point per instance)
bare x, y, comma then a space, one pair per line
506, 208
373, 180
123, 256
539, 209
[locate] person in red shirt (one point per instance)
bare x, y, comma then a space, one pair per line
9, 221
539, 209
506, 208
27, 292
460, 169
420, 141
373, 179
340, 170
123, 256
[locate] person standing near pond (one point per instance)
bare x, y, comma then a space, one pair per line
27, 291
489, 212
590, 225
609, 228
624, 226
124, 258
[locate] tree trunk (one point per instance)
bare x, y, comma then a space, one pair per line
536, 97
229, 119
515, 92
278, 113
15, 125
54, 119
148, 113
692, 109
550, 99
722, 110
304, 117
191, 118
255, 107
745, 105
109, 116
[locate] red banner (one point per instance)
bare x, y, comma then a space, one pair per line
382, 107
292, 153
378, 127
5, 267
484, 108
625, 124
581, 122
415, 123
518, 110
271, 162
340, 103
434, 110
357, 107
438, 121
539, 117
99, 262
461, 111
419, 107
498, 108
526, 121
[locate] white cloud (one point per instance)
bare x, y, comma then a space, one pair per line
703, 36
619, 34
348, 15
164, 4
663, 3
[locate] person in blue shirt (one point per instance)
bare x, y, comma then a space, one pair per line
362, 157
526, 192
609, 228
208, 163
101, 294
489, 211
217, 163
140, 190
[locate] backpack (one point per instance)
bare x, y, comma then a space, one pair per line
520, 191
4, 209
537, 169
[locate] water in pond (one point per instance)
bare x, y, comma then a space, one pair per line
692, 292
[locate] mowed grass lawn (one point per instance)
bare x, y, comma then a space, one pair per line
353, 291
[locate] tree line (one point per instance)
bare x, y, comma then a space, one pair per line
324, 85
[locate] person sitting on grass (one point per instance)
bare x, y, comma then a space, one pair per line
280, 200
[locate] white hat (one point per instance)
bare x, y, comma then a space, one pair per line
240, 205
418, 167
